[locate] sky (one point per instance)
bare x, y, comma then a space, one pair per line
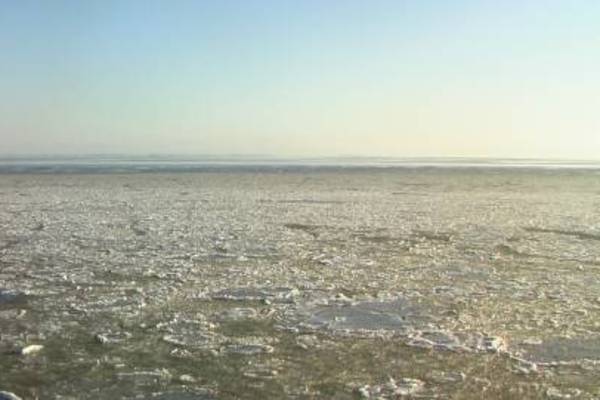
297, 78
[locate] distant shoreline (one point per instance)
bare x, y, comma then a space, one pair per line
171, 164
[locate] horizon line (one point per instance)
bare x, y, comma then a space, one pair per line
152, 156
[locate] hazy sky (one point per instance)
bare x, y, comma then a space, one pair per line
301, 78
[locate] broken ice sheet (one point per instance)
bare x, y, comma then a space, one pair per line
252, 345
271, 294
397, 315
148, 377
443, 264
192, 335
237, 313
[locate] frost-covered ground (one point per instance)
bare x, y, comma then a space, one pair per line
304, 283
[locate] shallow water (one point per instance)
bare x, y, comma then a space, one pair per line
301, 283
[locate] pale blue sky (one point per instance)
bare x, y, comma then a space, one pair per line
301, 78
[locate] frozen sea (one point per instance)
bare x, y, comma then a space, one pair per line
315, 279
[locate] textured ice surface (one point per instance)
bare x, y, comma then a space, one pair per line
278, 294
563, 350
396, 315
301, 283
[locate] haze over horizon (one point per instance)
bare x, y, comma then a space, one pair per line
301, 79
